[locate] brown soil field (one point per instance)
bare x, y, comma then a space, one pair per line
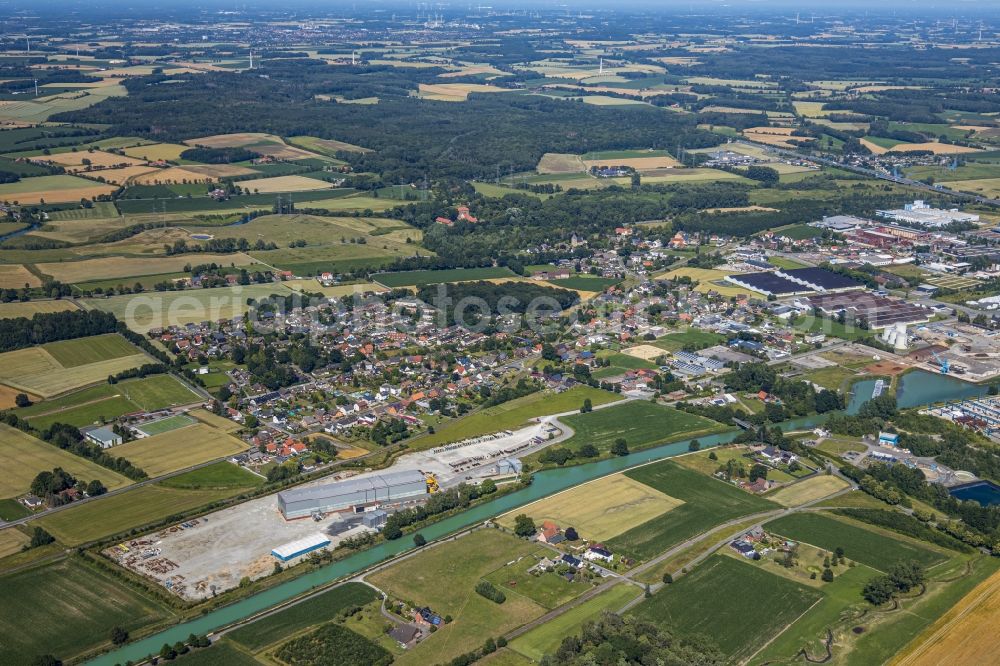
966, 634
16, 276
8, 395
887, 368
110, 268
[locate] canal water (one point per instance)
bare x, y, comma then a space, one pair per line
916, 388
544, 484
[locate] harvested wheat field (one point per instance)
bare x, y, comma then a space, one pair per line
157, 151
936, 148
285, 184
216, 171
15, 276
53, 189
34, 370
235, 140
123, 175
645, 352
637, 163
172, 175
874, 147
457, 92
109, 268
601, 509
73, 162
560, 163
29, 309
966, 634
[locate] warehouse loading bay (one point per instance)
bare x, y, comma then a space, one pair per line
211, 554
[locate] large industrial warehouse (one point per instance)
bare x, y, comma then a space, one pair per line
351, 493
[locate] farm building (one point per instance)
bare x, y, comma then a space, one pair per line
352, 494
299, 547
104, 437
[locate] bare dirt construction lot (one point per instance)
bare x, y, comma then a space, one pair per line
887, 368
645, 352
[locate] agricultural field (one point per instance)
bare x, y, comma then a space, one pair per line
36, 371
512, 414
585, 283
178, 448
25, 456
462, 562
52, 189
641, 423
12, 541
61, 590
421, 278
222, 474
285, 184
752, 604
694, 175
548, 591
545, 639
707, 502
123, 268
808, 490
183, 307
988, 187
29, 309
324, 607
601, 509
73, 161
109, 401
217, 422
97, 348
135, 508
169, 152
327, 147
455, 92
15, 277
876, 550
560, 163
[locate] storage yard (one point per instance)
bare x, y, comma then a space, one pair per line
207, 555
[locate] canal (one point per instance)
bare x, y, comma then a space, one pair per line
916, 388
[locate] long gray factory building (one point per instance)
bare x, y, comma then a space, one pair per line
352, 493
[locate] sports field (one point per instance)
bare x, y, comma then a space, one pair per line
546, 638
707, 502
176, 449
36, 371
421, 278
513, 414
642, 424
86, 602
750, 604
877, 550
135, 508
461, 563
808, 490
600, 509
166, 425
25, 456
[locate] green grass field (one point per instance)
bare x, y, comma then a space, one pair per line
548, 590
66, 609
546, 638
444, 577
865, 546
138, 507
513, 414
221, 653
25, 456
690, 339
222, 474
737, 605
421, 278
642, 424
109, 401
166, 425
322, 608
707, 502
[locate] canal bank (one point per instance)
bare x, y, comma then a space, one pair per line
915, 389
